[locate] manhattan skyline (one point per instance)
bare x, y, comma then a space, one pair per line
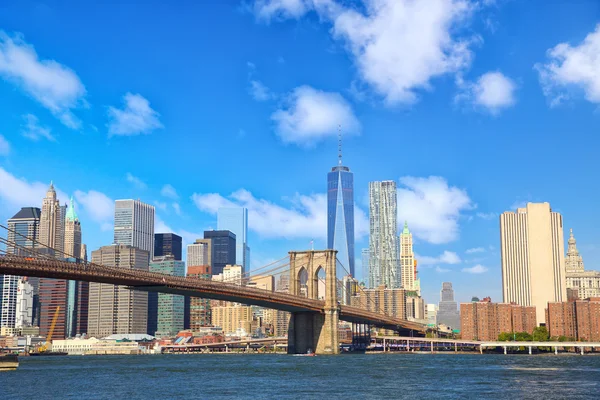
227, 113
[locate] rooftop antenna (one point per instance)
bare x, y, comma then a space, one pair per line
340, 144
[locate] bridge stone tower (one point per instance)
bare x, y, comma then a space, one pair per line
316, 331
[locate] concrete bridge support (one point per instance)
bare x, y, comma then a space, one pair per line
314, 331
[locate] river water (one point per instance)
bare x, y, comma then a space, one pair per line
262, 376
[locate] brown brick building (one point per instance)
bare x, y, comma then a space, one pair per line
200, 309
578, 319
485, 320
391, 302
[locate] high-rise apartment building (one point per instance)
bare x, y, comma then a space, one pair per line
170, 307
532, 248
233, 318
447, 309
408, 265
200, 314
235, 219
134, 225
340, 214
116, 309
383, 226
585, 283
223, 248
168, 244
72, 246
382, 300
575, 320
199, 252
52, 222
484, 320
23, 230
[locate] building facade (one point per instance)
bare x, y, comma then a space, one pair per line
168, 244
235, 219
408, 264
198, 253
233, 318
586, 284
574, 320
24, 308
484, 320
200, 314
448, 313
72, 245
52, 222
134, 225
365, 255
223, 248
532, 248
116, 309
383, 226
383, 300
170, 307
340, 215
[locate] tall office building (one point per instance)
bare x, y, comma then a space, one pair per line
72, 232
24, 309
585, 283
52, 222
223, 248
408, 266
134, 225
365, 255
198, 253
533, 264
200, 312
447, 313
23, 230
116, 309
168, 244
383, 226
54, 301
235, 219
340, 214
170, 307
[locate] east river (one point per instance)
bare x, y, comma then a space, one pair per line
213, 376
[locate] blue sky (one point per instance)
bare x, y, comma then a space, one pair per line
472, 106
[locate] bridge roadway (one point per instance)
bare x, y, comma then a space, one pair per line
155, 282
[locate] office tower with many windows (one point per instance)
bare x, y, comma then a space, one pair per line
52, 222
168, 244
383, 226
72, 246
134, 225
340, 214
408, 266
235, 219
23, 231
222, 249
447, 313
200, 312
533, 263
24, 309
365, 256
170, 307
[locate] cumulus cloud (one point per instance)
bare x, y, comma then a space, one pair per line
432, 207
169, 191
398, 46
53, 85
18, 192
310, 115
177, 208
160, 205
4, 146
477, 269
447, 257
137, 117
493, 92
475, 250
442, 270
98, 206
137, 182
259, 91
34, 131
487, 216
304, 217
572, 67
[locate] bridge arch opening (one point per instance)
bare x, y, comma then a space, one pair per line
319, 282
302, 283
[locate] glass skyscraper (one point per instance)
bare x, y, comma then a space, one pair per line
340, 215
134, 225
235, 219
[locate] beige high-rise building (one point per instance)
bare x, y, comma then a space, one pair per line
116, 309
233, 317
408, 267
586, 283
52, 221
533, 265
72, 233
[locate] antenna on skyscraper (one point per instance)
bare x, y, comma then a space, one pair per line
340, 144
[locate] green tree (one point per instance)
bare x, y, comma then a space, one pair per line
505, 337
523, 337
540, 334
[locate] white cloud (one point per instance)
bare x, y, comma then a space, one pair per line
17, 192
98, 206
137, 182
432, 208
55, 86
4, 146
160, 205
519, 204
477, 269
442, 270
160, 226
177, 208
488, 216
492, 92
475, 250
34, 131
137, 117
304, 217
169, 191
312, 115
572, 67
281, 9
447, 257
259, 91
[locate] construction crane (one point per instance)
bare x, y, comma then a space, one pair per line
44, 347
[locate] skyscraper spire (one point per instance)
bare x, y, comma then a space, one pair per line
340, 144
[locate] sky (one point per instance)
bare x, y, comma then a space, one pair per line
473, 107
